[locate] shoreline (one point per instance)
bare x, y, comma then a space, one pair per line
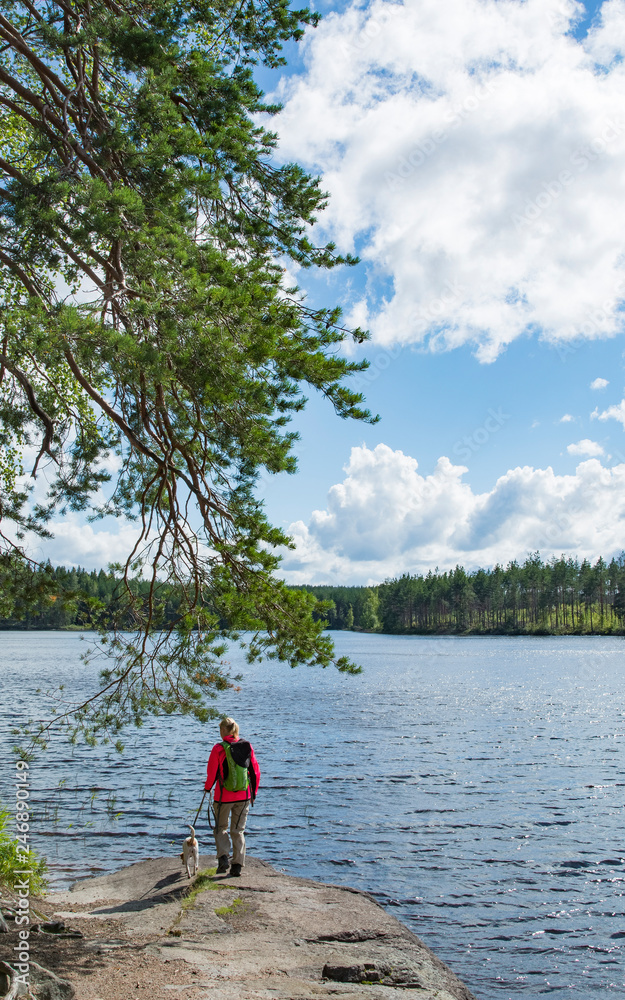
264, 935
535, 633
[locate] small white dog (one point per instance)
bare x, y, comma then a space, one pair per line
191, 853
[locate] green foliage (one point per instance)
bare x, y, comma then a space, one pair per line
335, 603
203, 882
23, 586
561, 596
14, 860
47, 597
229, 911
150, 356
369, 614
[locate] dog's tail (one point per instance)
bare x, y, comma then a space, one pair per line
192, 831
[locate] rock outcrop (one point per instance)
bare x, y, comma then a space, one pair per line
264, 935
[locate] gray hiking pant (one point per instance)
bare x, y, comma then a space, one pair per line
233, 815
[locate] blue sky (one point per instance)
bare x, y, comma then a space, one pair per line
528, 401
433, 404
474, 153
591, 9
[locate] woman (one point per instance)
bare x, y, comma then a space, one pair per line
233, 770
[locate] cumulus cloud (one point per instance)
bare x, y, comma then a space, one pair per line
599, 383
474, 153
386, 518
608, 38
586, 447
566, 419
75, 543
78, 544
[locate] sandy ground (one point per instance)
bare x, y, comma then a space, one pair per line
264, 935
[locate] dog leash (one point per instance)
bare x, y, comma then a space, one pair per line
200, 809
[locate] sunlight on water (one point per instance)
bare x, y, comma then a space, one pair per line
475, 786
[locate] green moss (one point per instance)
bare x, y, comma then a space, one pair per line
202, 882
225, 911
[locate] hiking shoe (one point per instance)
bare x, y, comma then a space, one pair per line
235, 871
222, 864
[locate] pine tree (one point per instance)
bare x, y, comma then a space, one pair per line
369, 614
145, 229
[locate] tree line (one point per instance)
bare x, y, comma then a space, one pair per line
561, 596
74, 598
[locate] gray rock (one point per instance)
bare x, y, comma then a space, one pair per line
58, 928
5, 979
352, 935
367, 972
292, 927
374, 972
47, 986
42, 984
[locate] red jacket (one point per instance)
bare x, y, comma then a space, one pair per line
215, 768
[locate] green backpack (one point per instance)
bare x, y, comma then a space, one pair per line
236, 777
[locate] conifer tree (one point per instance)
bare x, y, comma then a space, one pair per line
150, 354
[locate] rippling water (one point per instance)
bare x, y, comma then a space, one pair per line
473, 785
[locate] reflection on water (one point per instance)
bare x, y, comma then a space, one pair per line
473, 785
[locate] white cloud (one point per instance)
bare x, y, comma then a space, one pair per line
608, 38
566, 419
616, 412
78, 544
385, 519
599, 383
474, 153
586, 447
75, 542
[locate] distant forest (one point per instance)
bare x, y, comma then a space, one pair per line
559, 597
61, 598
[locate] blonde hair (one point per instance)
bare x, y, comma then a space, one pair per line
228, 727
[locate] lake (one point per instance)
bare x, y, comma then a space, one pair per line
473, 785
